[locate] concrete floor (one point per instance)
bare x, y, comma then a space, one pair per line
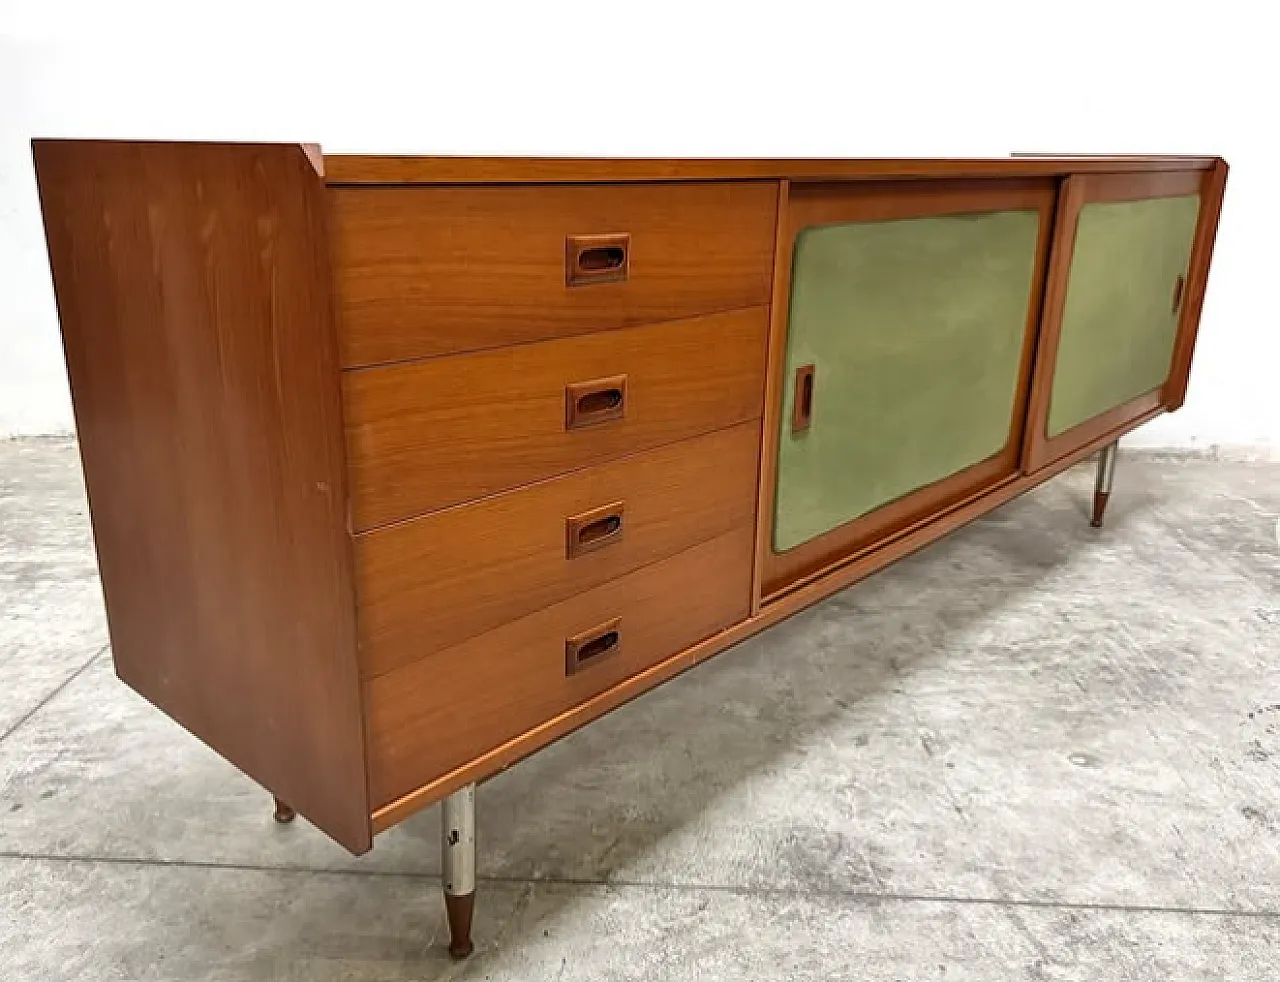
1033, 751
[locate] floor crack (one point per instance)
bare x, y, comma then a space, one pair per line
532, 882
53, 694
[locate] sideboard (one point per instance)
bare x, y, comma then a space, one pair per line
401, 468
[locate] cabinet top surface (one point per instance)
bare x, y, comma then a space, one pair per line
357, 169
388, 169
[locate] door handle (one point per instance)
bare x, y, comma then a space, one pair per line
802, 400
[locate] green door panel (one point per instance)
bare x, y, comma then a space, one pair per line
916, 330
1118, 321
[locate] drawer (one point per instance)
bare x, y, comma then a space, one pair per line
427, 718
437, 580
425, 435
423, 271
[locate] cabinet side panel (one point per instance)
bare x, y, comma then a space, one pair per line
194, 294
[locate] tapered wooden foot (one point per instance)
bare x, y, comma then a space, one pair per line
284, 813
1102, 488
459, 910
1099, 507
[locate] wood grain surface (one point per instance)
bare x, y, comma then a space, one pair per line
430, 271
373, 169
193, 290
440, 579
425, 435
440, 712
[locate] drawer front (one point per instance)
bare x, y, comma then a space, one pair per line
429, 271
438, 713
425, 435
437, 580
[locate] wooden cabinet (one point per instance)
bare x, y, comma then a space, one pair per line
402, 468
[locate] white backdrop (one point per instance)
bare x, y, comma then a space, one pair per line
660, 79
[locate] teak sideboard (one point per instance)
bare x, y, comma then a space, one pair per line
400, 468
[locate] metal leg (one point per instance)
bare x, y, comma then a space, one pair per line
1102, 490
283, 812
458, 863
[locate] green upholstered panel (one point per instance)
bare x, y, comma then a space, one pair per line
916, 329
1118, 322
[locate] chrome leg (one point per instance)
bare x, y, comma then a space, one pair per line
1102, 489
458, 865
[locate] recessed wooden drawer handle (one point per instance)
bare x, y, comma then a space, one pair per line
1179, 287
802, 403
597, 258
589, 647
593, 530
597, 401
